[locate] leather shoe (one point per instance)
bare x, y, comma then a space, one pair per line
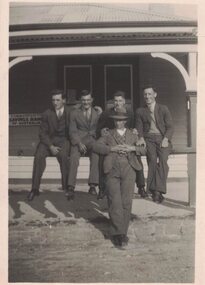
125, 240
142, 192
92, 190
70, 194
101, 194
157, 197
161, 198
32, 194
117, 240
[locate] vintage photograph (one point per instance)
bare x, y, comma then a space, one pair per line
102, 142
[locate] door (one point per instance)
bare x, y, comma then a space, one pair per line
76, 79
118, 77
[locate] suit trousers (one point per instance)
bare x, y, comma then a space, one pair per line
39, 164
74, 163
120, 189
158, 168
140, 179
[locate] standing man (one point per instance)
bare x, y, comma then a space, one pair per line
83, 124
120, 166
155, 127
53, 137
106, 122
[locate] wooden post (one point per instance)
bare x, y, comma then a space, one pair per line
192, 178
192, 100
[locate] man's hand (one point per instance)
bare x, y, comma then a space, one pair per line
104, 132
117, 148
135, 131
82, 148
123, 148
54, 149
98, 109
165, 142
141, 142
129, 148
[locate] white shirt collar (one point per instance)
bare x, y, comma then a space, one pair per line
121, 132
60, 110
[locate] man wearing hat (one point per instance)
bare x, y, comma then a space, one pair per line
106, 122
120, 166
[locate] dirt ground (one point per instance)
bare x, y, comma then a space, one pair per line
53, 240
75, 252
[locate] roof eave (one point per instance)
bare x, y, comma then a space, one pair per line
86, 25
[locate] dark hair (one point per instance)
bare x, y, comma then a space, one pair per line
149, 85
57, 92
119, 93
85, 93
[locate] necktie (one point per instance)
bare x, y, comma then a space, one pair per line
59, 114
87, 115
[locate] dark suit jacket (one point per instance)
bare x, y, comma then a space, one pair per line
49, 125
106, 122
80, 127
103, 146
163, 121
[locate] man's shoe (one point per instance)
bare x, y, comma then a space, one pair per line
70, 194
92, 190
161, 198
32, 194
142, 192
117, 240
157, 197
125, 240
101, 194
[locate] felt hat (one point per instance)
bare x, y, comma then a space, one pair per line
119, 114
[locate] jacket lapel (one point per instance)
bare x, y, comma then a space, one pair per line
156, 115
128, 137
82, 117
113, 134
147, 114
53, 119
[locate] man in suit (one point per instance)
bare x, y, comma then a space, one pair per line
82, 132
120, 166
106, 122
155, 127
53, 137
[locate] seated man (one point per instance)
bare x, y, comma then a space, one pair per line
83, 123
155, 126
120, 166
106, 122
53, 142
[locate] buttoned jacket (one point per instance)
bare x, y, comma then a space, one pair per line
103, 146
49, 125
80, 127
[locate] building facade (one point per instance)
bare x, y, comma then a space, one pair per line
103, 48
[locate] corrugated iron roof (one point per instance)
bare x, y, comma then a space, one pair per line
26, 14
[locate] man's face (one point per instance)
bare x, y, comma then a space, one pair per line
58, 101
149, 96
119, 124
86, 101
119, 102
